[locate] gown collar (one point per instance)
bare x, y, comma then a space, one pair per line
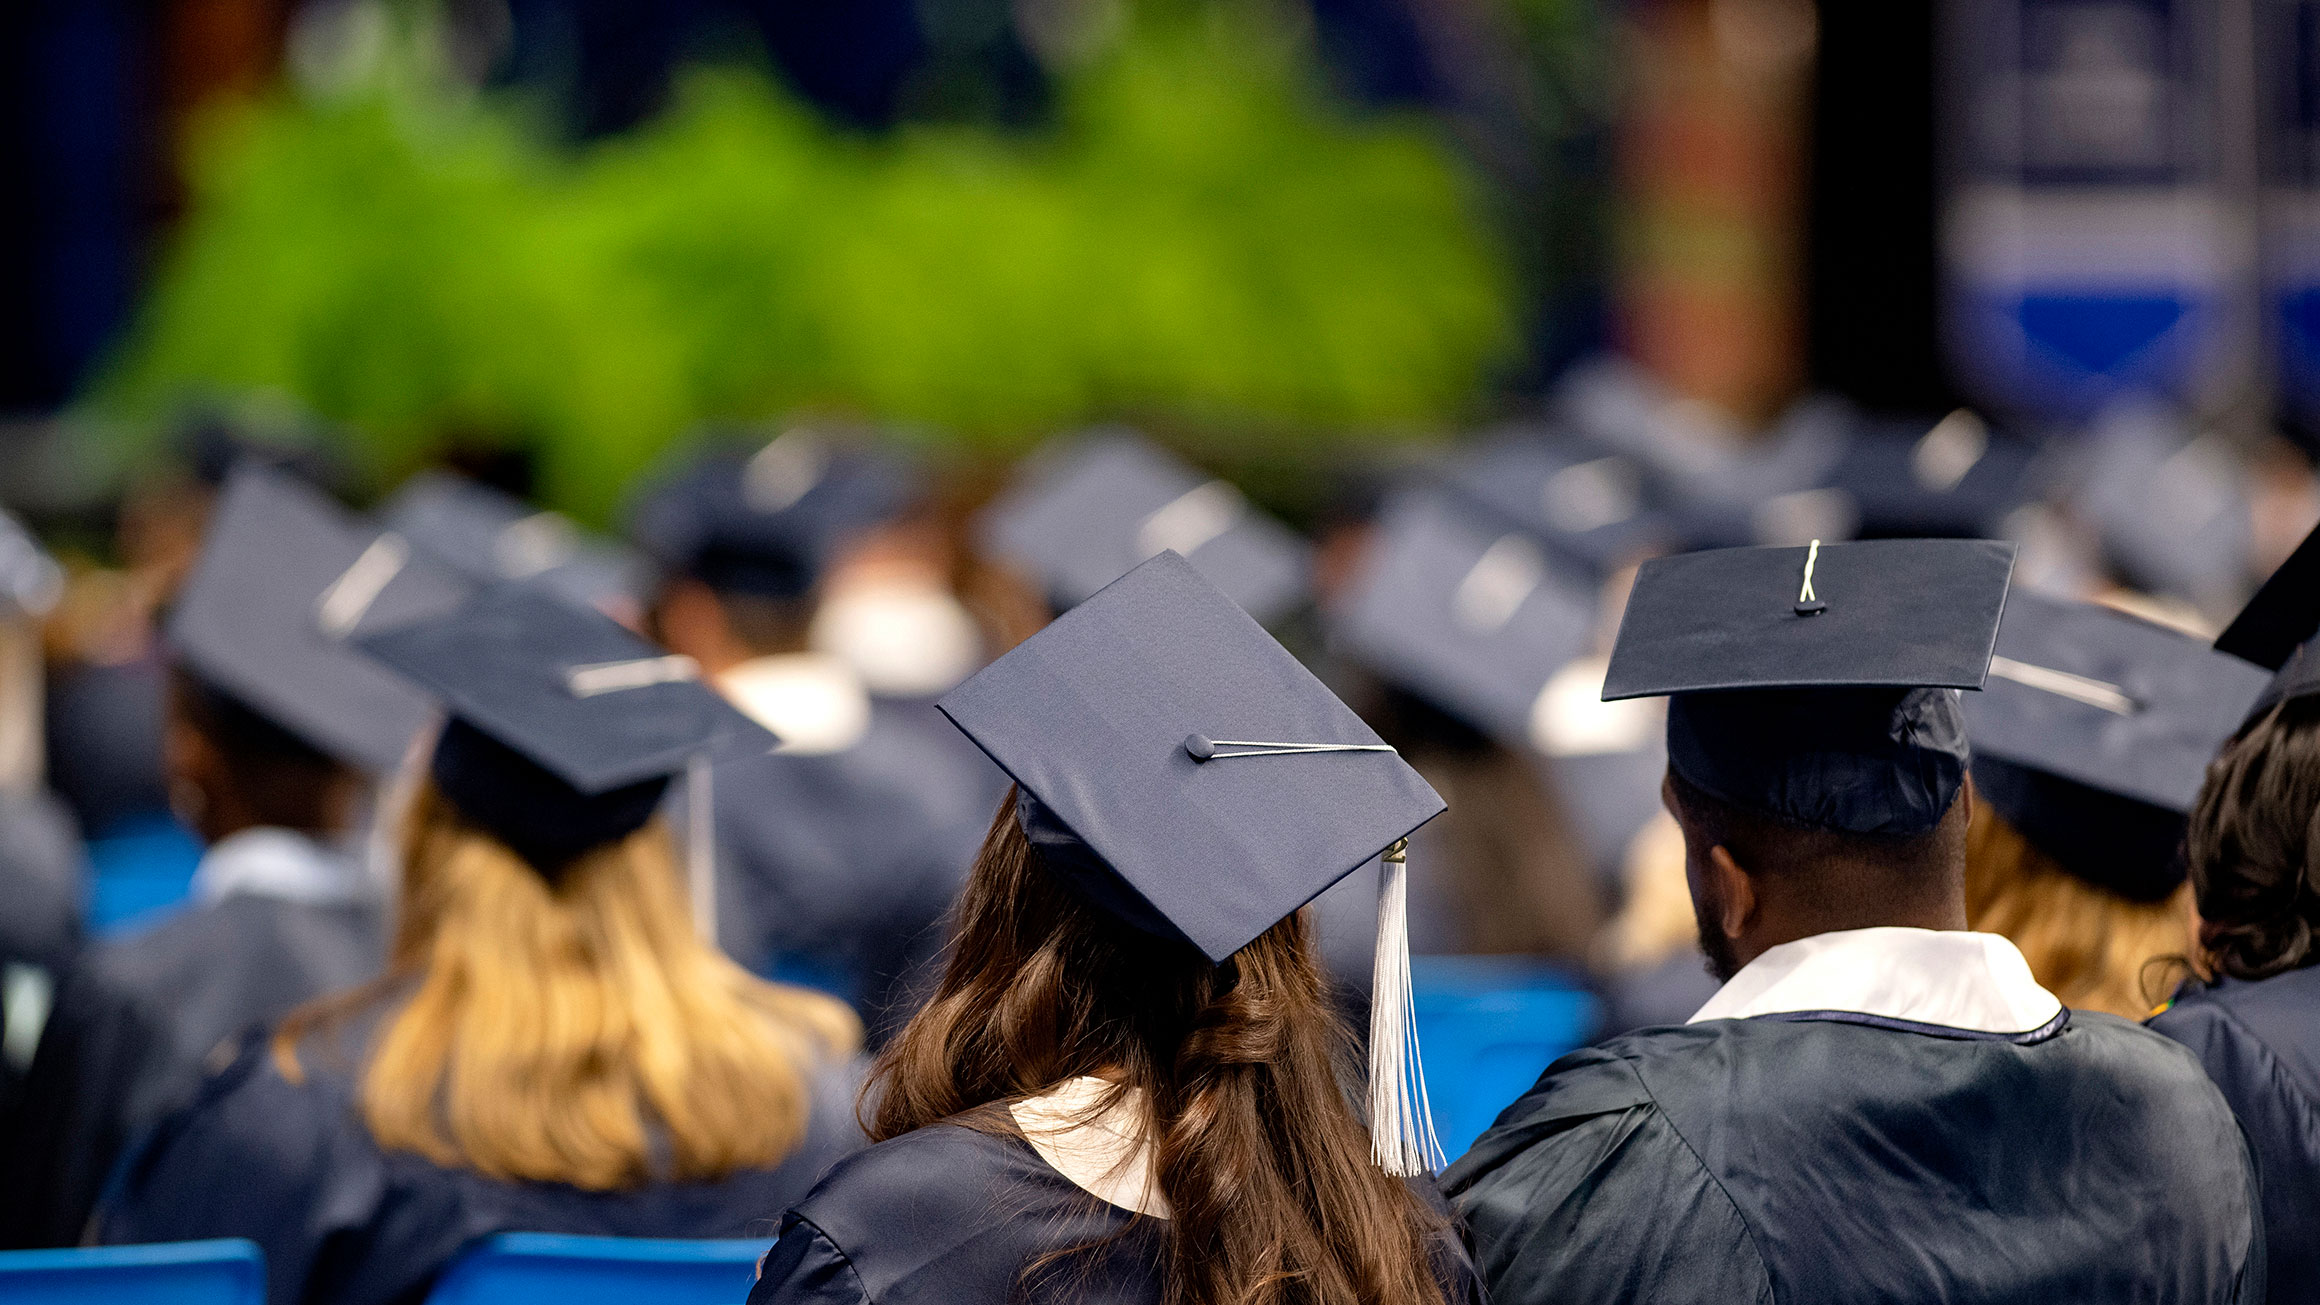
1102, 1151
1975, 983
283, 864
813, 702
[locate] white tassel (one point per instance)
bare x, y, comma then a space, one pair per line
701, 846
1401, 1120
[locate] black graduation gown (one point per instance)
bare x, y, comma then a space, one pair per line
837, 869
2260, 1043
951, 1214
42, 877
293, 1168
1819, 1159
135, 1023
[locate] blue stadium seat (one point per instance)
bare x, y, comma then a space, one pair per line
1486, 1026
520, 1268
226, 1272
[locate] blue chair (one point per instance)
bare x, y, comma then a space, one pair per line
1486, 1026
557, 1269
225, 1272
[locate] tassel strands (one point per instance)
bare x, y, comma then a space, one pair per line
1401, 1120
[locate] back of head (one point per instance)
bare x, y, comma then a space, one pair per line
1854, 879
2094, 949
568, 1026
274, 776
2253, 849
1265, 1165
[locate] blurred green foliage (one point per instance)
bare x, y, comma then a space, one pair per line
1199, 239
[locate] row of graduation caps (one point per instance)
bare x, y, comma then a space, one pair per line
1478, 592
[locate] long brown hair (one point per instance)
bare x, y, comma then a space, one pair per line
2092, 948
573, 1030
2253, 847
1264, 1164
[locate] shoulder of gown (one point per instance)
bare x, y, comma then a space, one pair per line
949, 1213
1583, 1190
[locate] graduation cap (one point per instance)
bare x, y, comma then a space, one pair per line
1809, 683
1592, 505
2275, 630
1956, 479
2093, 736
1186, 773
286, 578
1091, 509
1474, 620
564, 727
489, 536
2172, 511
768, 521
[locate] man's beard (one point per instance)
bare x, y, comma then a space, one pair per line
1723, 962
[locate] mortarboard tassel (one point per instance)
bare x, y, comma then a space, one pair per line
1401, 1120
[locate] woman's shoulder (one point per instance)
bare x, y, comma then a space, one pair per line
2278, 1019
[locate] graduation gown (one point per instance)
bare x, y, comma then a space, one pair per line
836, 868
293, 1168
1832, 1157
136, 1022
2260, 1042
952, 1214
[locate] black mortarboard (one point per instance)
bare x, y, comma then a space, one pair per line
1810, 684
1589, 504
1955, 479
2172, 510
769, 521
565, 727
1474, 620
489, 536
286, 577
1089, 510
1186, 773
2276, 628
2093, 736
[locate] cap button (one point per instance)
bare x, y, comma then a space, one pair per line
1812, 608
1199, 746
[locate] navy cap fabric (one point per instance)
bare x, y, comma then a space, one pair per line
768, 521
489, 536
1592, 506
1100, 718
1893, 612
286, 578
1813, 684
2172, 510
1474, 620
1089, 510
1955, 478
2283, 614
2093, 736
564, 726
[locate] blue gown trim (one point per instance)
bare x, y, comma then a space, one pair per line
2029, 1037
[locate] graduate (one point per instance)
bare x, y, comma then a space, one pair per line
274, 727
2089, 744
2253, 1019
1877, 1104
1130, 1086
553, 1047
843, 849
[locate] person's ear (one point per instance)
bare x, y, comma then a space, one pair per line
1735, 892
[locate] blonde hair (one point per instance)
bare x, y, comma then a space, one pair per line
2092, 948
574, 1030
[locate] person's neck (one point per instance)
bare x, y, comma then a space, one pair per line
1789, 922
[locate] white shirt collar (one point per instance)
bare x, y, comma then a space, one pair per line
1947, 978
269, 861
1104, 1153
813, 702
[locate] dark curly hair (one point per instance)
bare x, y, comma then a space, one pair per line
2253, 846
